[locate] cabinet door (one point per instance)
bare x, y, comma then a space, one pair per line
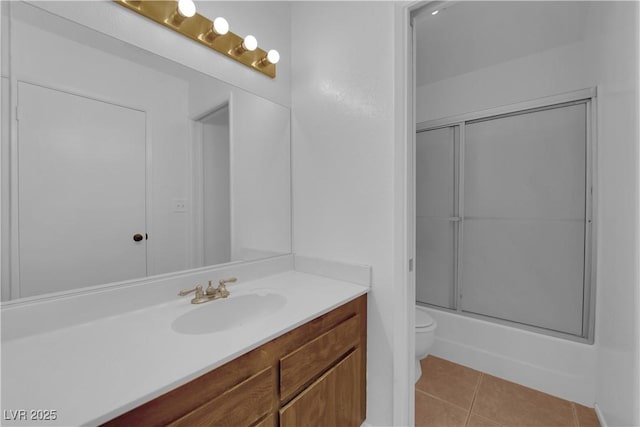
333, 400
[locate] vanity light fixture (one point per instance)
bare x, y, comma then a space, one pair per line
134, 3
181, 16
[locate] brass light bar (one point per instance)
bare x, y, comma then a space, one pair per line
197, 28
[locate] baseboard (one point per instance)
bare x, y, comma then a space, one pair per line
600, 415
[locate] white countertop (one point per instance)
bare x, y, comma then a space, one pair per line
94, 371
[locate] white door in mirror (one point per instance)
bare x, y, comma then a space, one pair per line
81, 180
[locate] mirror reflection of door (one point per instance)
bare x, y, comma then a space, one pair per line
214, 174
81, 192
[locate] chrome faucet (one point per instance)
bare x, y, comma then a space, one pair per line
211, 293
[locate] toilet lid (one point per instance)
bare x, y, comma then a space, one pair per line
423, 319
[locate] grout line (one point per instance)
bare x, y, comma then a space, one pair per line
574, 411
423, 392
473, 400
440, 399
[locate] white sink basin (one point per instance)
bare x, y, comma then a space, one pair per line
229, 313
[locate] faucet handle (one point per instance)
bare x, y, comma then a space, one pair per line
229, 280
198, 290
222, 288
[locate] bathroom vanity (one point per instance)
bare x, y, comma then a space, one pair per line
283, 349
312, 374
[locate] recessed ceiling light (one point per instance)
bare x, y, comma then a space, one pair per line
435, 12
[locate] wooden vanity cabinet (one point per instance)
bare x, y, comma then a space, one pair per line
328, 401
314, 375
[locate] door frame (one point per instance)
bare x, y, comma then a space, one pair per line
404, 237
404, 207
196, 224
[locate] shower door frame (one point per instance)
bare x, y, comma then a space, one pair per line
586, 96
458, 205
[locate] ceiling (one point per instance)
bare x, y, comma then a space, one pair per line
468, 36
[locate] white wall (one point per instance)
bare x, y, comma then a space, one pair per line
605, 57
260, 177
343, 146
4, 138
613, 41
507, 83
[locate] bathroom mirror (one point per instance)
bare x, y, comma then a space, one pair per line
119, 164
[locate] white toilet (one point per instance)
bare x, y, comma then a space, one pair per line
425, 335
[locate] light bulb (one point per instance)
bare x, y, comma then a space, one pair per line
186, 8
273, 56
220, 26
250, 43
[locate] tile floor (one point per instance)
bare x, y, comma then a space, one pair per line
452, 395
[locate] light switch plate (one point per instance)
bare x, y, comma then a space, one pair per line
179, 205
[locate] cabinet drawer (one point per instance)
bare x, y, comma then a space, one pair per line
242, 405
333, 400
303, 365
270, 421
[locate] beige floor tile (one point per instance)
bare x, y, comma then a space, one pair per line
448, 381
476, 420
513, 405
432, 412
586, 416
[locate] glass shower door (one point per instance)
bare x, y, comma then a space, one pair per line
436, 216
524, 218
